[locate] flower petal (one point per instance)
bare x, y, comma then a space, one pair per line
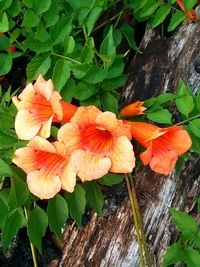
107, 120
45, 130
39, 143
85, 115
69, 134
133, 109
44, 87
56, 105
122, 156
146, 156
26, 125
42, 185
89, 166
26, 96
68, 179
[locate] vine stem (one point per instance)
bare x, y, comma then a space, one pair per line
138, 222
189, 119
135, 221
67, 58
134, 196
33, 250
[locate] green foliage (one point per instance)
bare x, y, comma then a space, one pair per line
187, 250
111, 179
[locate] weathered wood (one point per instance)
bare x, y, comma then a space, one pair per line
110, 240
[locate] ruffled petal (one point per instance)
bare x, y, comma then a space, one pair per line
56, 105
85, 115
146, 156
68, 179
89, 166
39, 143
107, 120
42, 185
26, 97
45, 130
25, 158
44, 87
163, 161
69, 134
26, 125
122, 156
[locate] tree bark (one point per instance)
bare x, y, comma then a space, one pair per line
111, 240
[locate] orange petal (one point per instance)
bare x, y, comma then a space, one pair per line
133, 109
45, 130
43, 185
68, 179
146, 156
85, 115
44, 87
26, 125
145, 132
25, 158
180, 140
107, 120
122, 156
89, 166
56, 105
68, 111
69, 134
163, 161
39, 143
27, 94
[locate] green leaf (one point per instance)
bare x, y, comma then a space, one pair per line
4, 4
189, 4
184, 100
95, 75
111, 179
41, 6
83, 91
129, 34
195, 127
40, 64
149, 8
116, 69
192, 258
87, 53
164, 98
160, 16
94, 196
69, 45
198, 100
76, 203
92, 18
195, 140
5, 170
4, 23
7, 138
110, 102
5, 63
61, 74
36, 45
37, 224
31, 19
160, 116
173, 255
4, 43
61, 30
51, 16
57, 211
110, 84
18, 193
3, 211
107, 48
176, 19
15, 8
11, 227
184, 222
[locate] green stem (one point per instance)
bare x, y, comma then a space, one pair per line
135, 221
33, 250
67, 58
1, 183
192, 118
148, 260
20, 46
85, 32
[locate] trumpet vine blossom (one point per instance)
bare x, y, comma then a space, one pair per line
47, 167
38, 106
133, 109
99, 143
163, 145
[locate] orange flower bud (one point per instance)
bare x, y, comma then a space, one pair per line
133, 109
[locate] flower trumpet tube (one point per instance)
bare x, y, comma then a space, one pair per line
163, 145
47, 167
38, 106
133, 109
99, 143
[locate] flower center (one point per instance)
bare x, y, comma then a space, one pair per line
96, 139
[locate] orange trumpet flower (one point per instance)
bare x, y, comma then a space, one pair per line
163, 146
133, 109
38, 106
191, 14
99, 143
47, 167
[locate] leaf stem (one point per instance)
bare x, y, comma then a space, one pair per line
67, 58
148, 260
189, 119
33, 250
135, 221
